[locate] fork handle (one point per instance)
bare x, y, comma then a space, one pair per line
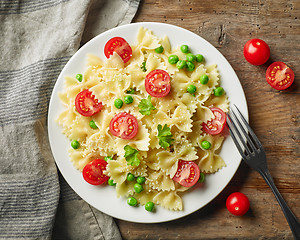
290, 217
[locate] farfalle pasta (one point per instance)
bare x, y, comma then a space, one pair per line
169, 130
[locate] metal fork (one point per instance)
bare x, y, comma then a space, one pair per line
254, 155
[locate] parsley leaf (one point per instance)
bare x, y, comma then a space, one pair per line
131, 156
164, 136
143, 67
146, 106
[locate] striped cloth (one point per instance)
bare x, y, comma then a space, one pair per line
37, 39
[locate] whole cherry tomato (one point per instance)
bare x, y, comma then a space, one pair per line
237, 203
256, 51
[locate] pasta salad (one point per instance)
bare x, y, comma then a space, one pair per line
147, 120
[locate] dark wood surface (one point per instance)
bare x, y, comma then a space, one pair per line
274, 115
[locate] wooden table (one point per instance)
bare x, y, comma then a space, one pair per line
274, 115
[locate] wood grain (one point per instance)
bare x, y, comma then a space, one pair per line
274, 115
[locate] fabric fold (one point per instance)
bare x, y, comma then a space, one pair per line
37, 40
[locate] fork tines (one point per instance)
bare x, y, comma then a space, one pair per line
240, 131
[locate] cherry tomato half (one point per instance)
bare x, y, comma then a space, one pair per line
157, 83
187, 173
216, 125
93, 172
120, 46
86, 103
279, 76
124, 125
256, 51
237, 203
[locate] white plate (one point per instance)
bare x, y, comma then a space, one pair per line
104, 198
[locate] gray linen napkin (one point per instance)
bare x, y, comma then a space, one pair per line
37, 39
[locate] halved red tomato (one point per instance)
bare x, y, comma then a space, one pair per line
157, 83
120, 46
86, 103
124, 125
279, 76
187, 173
93, 172
216, 125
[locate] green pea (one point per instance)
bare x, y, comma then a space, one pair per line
130, 177
108, 158
140, 180
128, 99
206, 144
149, 206
173, 59
204, 79
184, 48
191, 89
181, 64
202, 177
160, 49
138, 188
118, 103
130, 91
111, 182
218, 91
93, 124
79, 77
199, 58
131, 201
75, 144
190, 57
190, 66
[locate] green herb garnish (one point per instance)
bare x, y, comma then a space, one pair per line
146, 106
164, 136
143, 67
108, 158
131, 156
130, 91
